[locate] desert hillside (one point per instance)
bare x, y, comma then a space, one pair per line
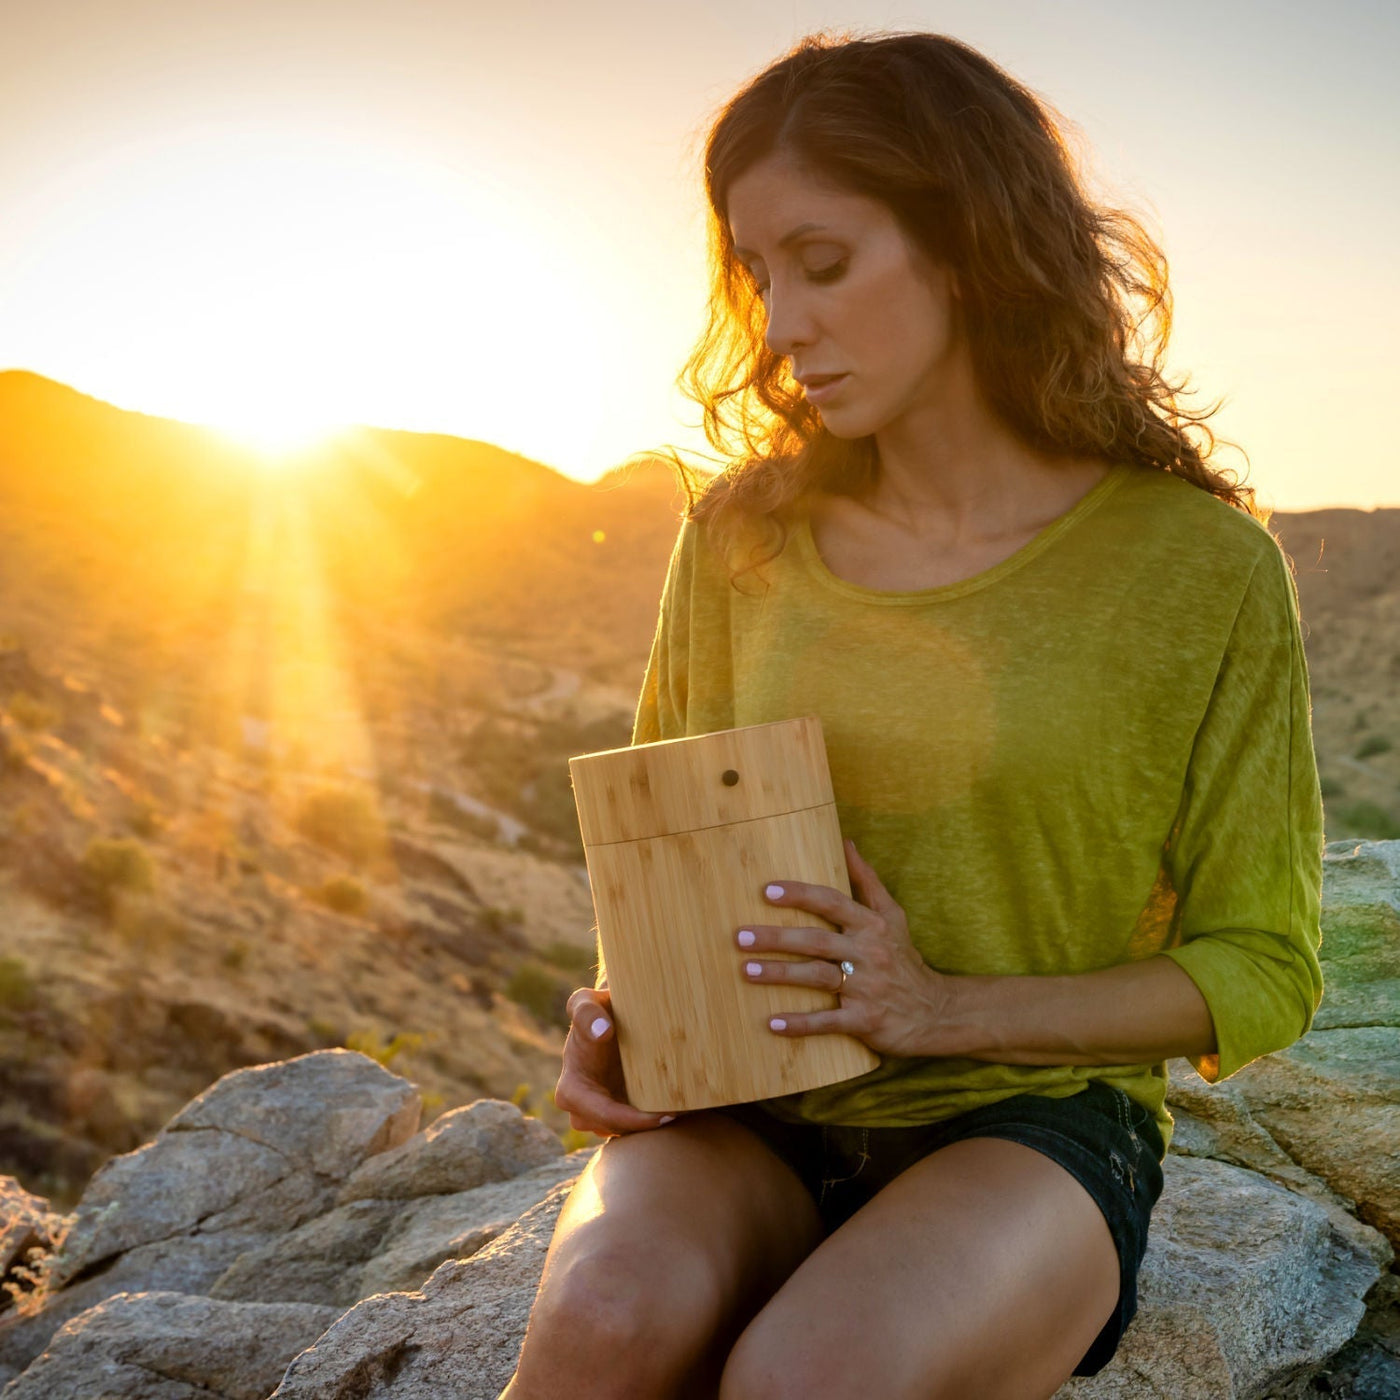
1347, 565
283, 758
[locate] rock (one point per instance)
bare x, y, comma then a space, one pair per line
164, 1189
1266, 1276
184, 1264
1244, 1286
325, 1112
1360, 950
262, 1148
1215, 1121
489, 1140
1244, 1289
318, 1262
1332, 1103
169, 1346
250, 1159
1323, 1116
457, 1337
373, 1246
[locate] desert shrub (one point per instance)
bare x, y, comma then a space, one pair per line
1367, 820
344, 820
344, 894
573, 958
542, 992
147, 926
497, 919
29, 1280
14, 752
32, 712
552, 808
371, 1043
145, 819
324, 1031
1372, 745
16, 985
235, 956
111, 866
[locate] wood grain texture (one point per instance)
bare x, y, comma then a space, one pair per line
678, 859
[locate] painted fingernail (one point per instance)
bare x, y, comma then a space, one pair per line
753, 969
669, 1118
746, 939
598, 1027
778, 1024
774, 891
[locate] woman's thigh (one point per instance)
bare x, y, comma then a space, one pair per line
984, 1269
668, 1244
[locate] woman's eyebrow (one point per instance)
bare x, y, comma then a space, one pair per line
784, 240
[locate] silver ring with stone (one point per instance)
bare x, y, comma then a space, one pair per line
847, 968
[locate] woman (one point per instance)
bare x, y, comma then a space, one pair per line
1057, 660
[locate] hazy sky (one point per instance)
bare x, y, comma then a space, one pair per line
486, 220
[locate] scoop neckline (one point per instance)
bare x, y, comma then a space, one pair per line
1034, 546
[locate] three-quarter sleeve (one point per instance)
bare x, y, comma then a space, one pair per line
1245, 855
661, 706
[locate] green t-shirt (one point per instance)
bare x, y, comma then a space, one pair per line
1097, 751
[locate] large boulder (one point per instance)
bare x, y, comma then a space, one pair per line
250, 1159
458, 1335
1244, 1284
169, 1346
1245, 1288
1268, 1275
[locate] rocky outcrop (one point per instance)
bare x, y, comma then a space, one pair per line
1322, 1118
1245, 1288
172, 1346
289, 1233
250, 1159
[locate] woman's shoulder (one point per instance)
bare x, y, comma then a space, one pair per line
1203, 531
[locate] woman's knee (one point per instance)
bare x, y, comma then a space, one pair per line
614, 1297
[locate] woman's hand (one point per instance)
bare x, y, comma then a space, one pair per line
893, 1001
591, 1088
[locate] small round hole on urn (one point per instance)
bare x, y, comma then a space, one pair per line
729, 777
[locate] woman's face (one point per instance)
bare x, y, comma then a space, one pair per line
847, 293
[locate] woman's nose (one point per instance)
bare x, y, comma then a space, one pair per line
790, 321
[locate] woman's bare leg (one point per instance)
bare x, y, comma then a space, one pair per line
671, 1240
985, 1269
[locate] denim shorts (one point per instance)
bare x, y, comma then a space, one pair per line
1108, 1141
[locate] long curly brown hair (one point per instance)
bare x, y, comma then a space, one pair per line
1067, 306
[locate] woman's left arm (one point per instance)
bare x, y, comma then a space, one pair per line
897, 1004
1133, 1014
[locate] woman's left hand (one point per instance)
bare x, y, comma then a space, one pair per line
893, 1001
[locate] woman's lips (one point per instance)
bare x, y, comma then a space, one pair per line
819, 393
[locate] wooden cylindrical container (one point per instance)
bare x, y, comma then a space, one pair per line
681, 837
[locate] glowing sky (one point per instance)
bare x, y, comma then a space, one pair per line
485, 221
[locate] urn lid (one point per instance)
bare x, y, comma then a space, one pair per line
715, 779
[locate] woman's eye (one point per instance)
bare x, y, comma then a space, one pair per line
830, 273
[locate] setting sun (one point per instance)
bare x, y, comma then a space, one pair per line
278, 437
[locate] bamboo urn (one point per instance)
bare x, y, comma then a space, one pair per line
680, 837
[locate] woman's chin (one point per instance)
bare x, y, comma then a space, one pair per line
842, 423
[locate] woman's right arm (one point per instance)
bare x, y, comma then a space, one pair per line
590, 1084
